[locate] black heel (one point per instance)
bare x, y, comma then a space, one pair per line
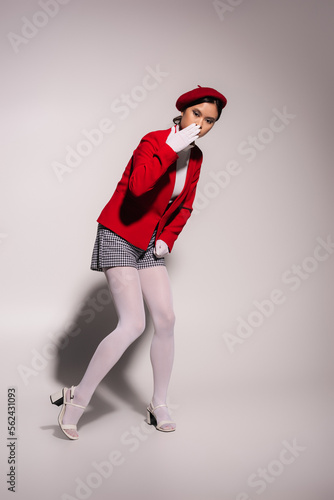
57, 398
151, 419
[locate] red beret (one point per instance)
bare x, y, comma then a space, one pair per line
193, 95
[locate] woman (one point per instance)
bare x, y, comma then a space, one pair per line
137, 228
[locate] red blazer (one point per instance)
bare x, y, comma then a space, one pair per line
139, 202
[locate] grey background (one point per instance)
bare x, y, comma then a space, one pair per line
235, 411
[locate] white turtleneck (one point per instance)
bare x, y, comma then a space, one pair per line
181, 171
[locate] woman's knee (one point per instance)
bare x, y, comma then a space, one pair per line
134, 326
165, 322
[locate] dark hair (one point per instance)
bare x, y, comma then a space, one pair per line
212, 100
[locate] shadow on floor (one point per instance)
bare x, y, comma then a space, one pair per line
94, 321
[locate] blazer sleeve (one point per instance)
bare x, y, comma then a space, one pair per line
173, 227
151, 160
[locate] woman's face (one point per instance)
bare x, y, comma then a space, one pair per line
204, 114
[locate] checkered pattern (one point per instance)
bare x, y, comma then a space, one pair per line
110, 250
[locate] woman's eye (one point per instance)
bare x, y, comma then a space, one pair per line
196, 113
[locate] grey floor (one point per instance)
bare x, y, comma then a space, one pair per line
242, 438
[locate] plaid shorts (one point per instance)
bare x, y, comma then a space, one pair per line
110, 250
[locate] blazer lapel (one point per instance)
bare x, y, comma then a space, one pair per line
190, 173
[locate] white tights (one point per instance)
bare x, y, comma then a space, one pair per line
128, 286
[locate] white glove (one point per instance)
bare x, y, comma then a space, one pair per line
161, 249
181, 139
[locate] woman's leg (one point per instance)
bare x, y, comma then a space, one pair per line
158, 297
126, 291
